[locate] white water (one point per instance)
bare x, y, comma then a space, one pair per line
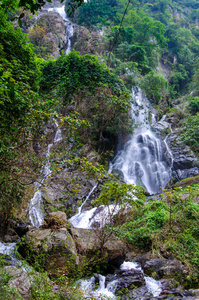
95, 217
68, 24
142, 161
35, 206
103, 292
154, 287
7, 248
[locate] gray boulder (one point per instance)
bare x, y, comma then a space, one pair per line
185, 163
56, 248
89, 242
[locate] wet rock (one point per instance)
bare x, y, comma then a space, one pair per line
20, 228
185, 163
172, 268
163, 268
168, 283
11, 239
152, 266
129, 279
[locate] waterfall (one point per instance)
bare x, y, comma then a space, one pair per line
69, 26
143, 159
35, 205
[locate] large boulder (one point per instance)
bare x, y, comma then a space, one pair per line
56, 248
163, 268
89, 242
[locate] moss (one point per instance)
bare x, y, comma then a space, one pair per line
187, 181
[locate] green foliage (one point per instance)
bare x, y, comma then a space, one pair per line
22, 113
155, 87
98, 95
31, 5
193, 105
191, 132
119, 193
93, 12
170, 223
74, 72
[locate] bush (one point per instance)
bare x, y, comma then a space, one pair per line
193, 105
155, 86
191, 132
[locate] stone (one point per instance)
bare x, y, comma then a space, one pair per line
56, 247
185, 163
152, 266
19, 281
90, 241
129, 279
172, 268
56, 219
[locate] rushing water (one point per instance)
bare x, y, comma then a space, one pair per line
104, 291
143, 159
68, 24
35, 206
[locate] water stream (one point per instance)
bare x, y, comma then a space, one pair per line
105, 291
35, 205
69, 26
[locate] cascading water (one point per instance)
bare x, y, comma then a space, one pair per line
143, 160
68, 24
105, 291
35, 206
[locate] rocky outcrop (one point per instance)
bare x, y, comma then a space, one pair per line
163, 268
54, 27
86, 42
185, 163
56, 248
56, 220
63, 190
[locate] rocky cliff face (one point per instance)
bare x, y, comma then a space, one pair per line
185, 163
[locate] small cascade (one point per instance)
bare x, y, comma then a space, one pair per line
101, 293
68, 24
7, 248
142, 161
108, 290
35, 206
95, 217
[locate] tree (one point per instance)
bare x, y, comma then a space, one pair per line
22, 114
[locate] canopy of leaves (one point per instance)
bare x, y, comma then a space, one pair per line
97, 94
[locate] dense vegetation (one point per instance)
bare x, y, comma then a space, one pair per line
151, 32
